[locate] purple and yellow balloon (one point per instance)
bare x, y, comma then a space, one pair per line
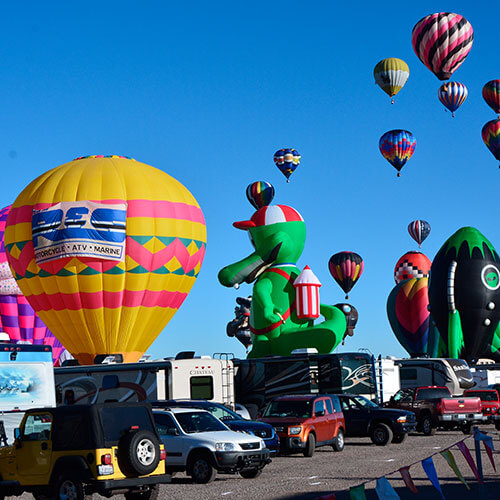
260, 194
287, 160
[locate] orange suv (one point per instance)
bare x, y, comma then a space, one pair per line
304, 422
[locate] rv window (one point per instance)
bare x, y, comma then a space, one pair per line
202, 387
408, 373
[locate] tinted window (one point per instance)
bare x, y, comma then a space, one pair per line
405, 396
297, 409
484, 395
117, 420
199, 421
329, 405
364, 403
164, 422
202, 387
336, 403
71, 432
222, 413
437, 393
319, 406
409, 374
37, 427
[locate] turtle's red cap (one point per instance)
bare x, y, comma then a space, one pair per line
271, 214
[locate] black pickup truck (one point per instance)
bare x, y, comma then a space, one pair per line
364, 418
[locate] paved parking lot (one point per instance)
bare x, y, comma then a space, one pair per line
297, 477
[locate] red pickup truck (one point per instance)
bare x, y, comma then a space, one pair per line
435, 408
490, 402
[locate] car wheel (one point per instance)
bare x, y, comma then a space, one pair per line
399, 438
338, 444
151, 493
381, 434
426, 426
202, 470
467, 429
138, 453
310, 446
251, 473
69, 487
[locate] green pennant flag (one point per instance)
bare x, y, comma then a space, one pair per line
358, 492
448, 456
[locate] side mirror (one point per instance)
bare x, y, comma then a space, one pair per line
320, 413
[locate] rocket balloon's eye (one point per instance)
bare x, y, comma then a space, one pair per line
490, 276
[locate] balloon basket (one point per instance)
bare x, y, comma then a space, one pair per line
392, 101
346, 296
399, 174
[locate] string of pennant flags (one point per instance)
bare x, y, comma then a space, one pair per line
385, 491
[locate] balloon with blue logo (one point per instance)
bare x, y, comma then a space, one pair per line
287, 160
452, 95
397, 147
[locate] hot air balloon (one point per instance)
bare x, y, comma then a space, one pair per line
419, 230
260, 194
491, 137
491, 94
412, 265
442, 42
452, 95
17, 317
346, 268
391, 75
397, 147
106, 250
287, 160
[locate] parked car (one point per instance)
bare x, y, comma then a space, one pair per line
490, 403
71, 451
364, 418
305, 422
234, 421
435, 407
201, 445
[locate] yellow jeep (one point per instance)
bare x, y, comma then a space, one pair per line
73, 451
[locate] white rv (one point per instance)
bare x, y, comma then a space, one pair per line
486, 375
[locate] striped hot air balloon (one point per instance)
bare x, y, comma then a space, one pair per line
397, 147
287, 160
452, 95
442, 42
391, 75
419, 230
491, 94
346, 268
491, 137
260, 193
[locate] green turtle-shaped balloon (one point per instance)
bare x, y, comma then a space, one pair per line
278, 233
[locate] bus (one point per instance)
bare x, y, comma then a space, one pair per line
257, 381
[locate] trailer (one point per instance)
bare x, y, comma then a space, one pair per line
486, 375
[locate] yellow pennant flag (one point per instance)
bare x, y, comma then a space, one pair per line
448, 456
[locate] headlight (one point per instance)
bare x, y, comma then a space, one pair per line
294, 430
401, 420
225, 447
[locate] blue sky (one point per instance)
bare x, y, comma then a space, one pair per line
208, 91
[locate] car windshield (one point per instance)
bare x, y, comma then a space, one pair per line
296, 409
365, 403
484, 395
199, 421
222, 413
433, 393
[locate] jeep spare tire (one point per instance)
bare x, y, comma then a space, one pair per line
138, 453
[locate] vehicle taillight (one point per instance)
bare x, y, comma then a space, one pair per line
106, 459
163, 454
134, 427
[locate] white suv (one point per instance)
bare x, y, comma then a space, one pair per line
200, 444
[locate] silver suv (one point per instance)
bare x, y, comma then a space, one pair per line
200, 444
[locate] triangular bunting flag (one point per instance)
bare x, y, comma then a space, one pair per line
466, 453
385, 491
448, 456
430, 470
405, 474
358, 492
488, 446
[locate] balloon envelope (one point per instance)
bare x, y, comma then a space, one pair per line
442, 42
491, 137
260, 193
452, 95
106, 249
391, 75
412, 265
287, 160
17, 317
397, 147
419, 230
491, 94
346, 268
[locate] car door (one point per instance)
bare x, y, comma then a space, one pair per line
172, 438
332, 419
34, 448
354, 417
321, 420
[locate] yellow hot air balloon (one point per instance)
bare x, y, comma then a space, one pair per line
391, 75
106, 249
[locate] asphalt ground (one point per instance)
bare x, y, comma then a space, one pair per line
296, 477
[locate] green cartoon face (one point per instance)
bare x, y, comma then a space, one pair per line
490, 277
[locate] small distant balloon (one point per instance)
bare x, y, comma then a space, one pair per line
491, 137
419, 230
346, 268
397, 147
491, 94
452, 95
260, 194
391, 75
287, 160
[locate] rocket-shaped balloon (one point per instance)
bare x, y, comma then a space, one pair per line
307, 294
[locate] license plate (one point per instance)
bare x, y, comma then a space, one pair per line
461, 416
104, 470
